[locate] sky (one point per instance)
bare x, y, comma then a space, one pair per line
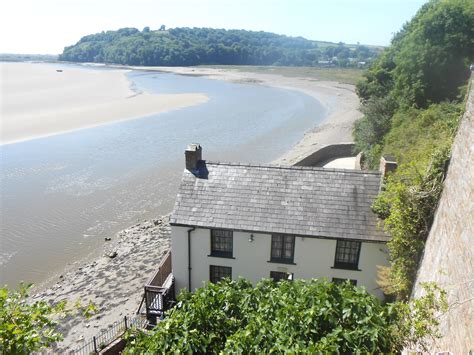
47, 26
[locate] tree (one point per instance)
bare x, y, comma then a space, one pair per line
288, 317
412, 101
194, 46
26, 327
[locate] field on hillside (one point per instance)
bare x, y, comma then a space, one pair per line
343, 75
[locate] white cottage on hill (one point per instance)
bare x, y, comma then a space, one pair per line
279, 222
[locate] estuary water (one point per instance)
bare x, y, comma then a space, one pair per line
61, 195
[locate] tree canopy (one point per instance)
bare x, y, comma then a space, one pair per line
195, 46
288, 317
412, 100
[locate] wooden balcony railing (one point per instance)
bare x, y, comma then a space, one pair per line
162, 273
159, 290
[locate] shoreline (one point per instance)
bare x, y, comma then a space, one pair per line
139, 250
141, 246
340, 101
67, 99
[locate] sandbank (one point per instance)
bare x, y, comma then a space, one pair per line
40, 100
340, 101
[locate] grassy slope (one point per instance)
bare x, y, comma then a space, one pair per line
343, 75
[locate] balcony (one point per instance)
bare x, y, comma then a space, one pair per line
159, 291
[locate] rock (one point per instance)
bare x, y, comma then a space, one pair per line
61, 277
111, 254
107, 239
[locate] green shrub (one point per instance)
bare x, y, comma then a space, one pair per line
291, 317
26, 327
424, 72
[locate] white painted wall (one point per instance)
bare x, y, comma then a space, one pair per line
313, 258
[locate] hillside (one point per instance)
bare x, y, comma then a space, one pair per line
412, 99
198, 46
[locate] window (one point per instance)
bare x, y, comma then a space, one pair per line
341, 281
221, 243
347, 255
217, 273
278, 275
283, 248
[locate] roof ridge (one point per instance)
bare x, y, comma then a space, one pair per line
293, 167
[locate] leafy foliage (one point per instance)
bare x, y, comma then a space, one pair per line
370, 129
194, 46
296, 317
427, 63
411, 99
433, 57
408, 205
26, 327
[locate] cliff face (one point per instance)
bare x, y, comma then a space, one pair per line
448, 259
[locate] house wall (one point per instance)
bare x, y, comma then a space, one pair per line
313, 258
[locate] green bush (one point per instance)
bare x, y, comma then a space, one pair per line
424, 72
26, 326
421, 140
295, 317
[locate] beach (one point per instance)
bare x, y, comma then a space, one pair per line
115, 285
67, 98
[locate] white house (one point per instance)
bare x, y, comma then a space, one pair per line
280, 222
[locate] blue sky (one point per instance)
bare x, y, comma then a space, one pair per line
46, 26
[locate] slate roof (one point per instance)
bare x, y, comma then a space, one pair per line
306, 201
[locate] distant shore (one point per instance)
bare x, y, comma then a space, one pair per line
40, 100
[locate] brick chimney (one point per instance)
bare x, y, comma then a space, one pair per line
387, 165
193, 154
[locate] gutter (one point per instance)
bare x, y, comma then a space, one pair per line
189, 257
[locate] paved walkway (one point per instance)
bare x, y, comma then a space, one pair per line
342, 163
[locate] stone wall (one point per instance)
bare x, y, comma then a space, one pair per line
448, 259
328, 153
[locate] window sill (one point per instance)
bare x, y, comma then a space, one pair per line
279, 261
351, 268
221, 256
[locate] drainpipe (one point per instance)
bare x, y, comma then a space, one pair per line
189, 258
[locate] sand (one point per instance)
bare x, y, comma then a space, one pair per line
340, 101
38, 101
116, 285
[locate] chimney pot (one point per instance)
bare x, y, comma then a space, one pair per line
193, 155
388, 165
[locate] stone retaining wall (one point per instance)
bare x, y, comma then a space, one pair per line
328, 153
448, 259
